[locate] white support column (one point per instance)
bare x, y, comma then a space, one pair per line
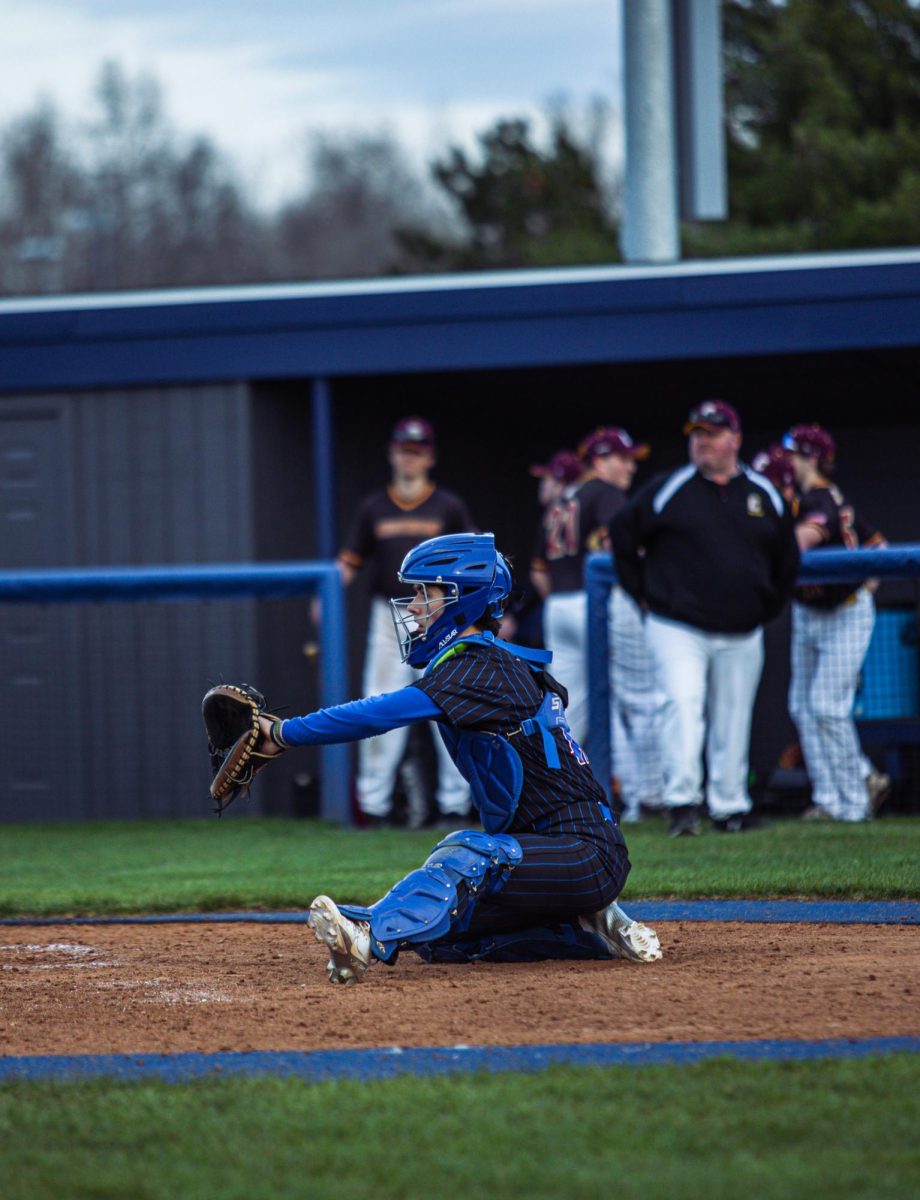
651, 231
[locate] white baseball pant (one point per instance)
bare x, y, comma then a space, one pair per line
710, 682
379, 757
638, 708
565, 633
828, 648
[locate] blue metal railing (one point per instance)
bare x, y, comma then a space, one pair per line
266, 580
818, 566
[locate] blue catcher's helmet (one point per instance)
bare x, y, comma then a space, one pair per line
477, 581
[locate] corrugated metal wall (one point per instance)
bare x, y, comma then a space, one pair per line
107, 696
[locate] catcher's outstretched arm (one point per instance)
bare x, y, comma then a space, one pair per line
355, 720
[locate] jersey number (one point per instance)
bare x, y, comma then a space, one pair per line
561, 525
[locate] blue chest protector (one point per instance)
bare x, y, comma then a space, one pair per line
488, 761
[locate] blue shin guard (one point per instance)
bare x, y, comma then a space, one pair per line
439, 898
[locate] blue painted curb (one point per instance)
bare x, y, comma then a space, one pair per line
842, 912
835, 912
318, 1066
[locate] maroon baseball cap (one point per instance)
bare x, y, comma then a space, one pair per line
565, 466
776, 465
413, 431
610, 439
713, 415
812, 441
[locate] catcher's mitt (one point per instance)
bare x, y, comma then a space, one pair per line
231, 717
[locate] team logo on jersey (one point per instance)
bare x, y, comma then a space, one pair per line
755, 504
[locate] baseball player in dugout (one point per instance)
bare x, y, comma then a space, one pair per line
541, 878
831, 628
709, 553
577, 523
388, 523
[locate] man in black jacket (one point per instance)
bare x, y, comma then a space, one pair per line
709, 553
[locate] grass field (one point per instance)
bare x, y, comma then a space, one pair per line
132, 867
715, 1130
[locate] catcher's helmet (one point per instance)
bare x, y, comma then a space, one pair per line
477, 582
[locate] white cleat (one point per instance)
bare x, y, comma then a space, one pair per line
349, 941
878, 785
623, 937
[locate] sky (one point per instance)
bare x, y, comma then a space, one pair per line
257, 77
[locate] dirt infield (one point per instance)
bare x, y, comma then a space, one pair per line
136, 989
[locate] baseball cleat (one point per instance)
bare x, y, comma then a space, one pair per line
815, 812
684, 821
878, 785
739, 823
623, 937
349, 941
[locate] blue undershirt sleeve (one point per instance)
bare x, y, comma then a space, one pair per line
360, 718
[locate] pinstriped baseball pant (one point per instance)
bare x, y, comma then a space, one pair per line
828, 648
638, 707
575, 865
565, 632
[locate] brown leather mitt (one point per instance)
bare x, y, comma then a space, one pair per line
231, 717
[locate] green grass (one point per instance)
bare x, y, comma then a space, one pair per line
716, 1131
170, 866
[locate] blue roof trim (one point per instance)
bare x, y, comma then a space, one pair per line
566, 317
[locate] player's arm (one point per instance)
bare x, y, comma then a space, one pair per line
869, 538
353, 721
815, 520
598, 520
540, 577
359, 545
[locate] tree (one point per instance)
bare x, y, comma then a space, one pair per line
162, 214
41, 185
122, 203
361, 191
823, 105
523, 205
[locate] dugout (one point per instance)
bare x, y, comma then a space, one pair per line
243, 424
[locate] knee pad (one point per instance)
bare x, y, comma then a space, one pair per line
439, 897
476, 857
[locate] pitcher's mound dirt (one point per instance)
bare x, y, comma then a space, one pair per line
169, 988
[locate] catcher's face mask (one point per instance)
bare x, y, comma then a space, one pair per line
422, 617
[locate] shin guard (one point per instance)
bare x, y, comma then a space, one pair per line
439, 898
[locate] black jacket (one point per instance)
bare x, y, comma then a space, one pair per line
722, 558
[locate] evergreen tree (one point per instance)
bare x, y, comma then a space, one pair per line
823, 105
522, 205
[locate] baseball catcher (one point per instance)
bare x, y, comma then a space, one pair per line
541, 878
231, 717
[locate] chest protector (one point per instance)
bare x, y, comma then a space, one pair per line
488, 761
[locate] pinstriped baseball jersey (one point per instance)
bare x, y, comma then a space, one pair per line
488, 689
575, 858
572, 526
825, 508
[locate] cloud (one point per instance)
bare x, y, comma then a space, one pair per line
428, 71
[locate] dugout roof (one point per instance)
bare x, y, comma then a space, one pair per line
565, 317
